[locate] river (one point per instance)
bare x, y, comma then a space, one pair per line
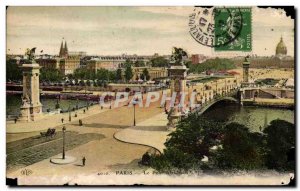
250, 116
13, 103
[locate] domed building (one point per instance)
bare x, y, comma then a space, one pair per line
281, 49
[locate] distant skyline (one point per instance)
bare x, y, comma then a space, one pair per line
129, 30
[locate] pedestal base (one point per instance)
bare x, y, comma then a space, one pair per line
24, 114
61, 161
173, 120
30, 113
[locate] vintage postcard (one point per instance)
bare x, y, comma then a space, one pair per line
165, 95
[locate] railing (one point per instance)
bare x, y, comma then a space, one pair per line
215, 99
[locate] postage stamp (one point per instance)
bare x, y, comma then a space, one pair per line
223, 28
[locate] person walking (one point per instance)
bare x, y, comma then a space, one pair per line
83, 161
62, 120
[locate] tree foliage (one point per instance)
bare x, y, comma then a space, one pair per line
50, 75
139, 63
128, 70
228, 146
280, 136
119, 74
241, 149
195, 135
188, 145
145, 75
101, 74
13, 71
159, 62
215, 64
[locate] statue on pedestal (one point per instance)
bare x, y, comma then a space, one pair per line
30, 53
177, 74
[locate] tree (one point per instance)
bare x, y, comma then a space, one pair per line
159, 62
50, 74
241, 149
13, 71
128, 70
188, 144
195, 135
112, 75
102, 74
280, 138
139, 63
83, 73
212, 64
119, 74
178, 55
174, 161
146, 74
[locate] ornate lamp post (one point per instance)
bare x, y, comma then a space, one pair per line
64, 134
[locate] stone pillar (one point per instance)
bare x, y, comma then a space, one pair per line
177, 75
246, 65
31, 108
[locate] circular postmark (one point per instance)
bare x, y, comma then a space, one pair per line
215, 27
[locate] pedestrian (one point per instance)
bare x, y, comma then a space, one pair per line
62, 120
83, 161
75, 115
15, 120
84, 111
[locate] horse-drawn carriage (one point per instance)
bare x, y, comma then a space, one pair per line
49, 133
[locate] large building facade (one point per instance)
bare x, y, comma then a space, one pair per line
154, 72
69, 64
69, 61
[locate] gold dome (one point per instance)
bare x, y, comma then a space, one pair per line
281, 48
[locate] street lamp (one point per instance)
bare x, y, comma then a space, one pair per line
70, 118
64, 134
134, 103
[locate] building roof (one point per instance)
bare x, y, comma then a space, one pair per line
281, 48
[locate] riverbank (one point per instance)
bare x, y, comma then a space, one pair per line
271, 103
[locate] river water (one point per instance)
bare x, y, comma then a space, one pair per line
250, 116
13, 103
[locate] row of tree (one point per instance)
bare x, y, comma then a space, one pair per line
227, 146
215, 64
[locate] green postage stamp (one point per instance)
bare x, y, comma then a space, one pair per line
233, 25
223, 28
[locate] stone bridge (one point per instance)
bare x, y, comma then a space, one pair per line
231, 96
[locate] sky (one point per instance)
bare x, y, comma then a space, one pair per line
129, 30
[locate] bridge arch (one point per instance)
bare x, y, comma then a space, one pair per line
208, 105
